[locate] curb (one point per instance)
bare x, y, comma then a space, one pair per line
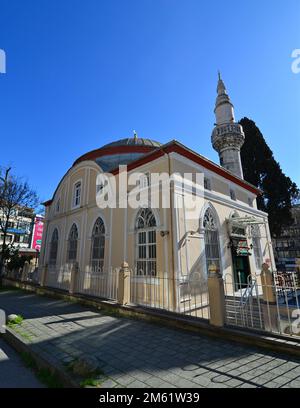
16, 341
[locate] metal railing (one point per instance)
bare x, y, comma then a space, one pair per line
262, 302
93, 280
59, 277
287, 293
242, 302
272, 307
98, 282
29, 273
187, 295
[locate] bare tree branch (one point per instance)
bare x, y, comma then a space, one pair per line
15, 195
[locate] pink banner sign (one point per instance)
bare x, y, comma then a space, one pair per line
37, 233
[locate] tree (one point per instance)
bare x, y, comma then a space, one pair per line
15, 195
16, 260
263, 171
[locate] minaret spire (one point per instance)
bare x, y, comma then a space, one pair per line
228, 136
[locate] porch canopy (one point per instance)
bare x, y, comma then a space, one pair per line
243, 222
238, 236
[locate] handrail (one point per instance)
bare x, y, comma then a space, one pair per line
248, 291
247, 297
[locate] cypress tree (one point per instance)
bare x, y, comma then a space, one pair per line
263, 171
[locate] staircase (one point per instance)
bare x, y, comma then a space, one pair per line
244, 313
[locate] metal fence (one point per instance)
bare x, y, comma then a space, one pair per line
28, 273
270, 306
59, 277
187, 295
89, 281
266, 302
98, 282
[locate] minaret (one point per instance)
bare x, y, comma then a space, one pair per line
228, 136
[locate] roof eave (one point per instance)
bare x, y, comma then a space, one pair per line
171, 147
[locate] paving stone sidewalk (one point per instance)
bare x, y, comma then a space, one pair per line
136, 354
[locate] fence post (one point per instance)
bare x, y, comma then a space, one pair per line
44, 274
267, 284
216, 296
124, 284
269, 309
25, 271
73, 280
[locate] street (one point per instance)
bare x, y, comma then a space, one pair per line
13, 373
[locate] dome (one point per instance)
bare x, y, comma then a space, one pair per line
134, 141
123, 151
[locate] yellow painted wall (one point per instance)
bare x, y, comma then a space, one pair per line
180, 252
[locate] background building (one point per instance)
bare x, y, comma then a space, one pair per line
287, 246
25, 232
20, 228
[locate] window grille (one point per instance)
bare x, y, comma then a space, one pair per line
146, 243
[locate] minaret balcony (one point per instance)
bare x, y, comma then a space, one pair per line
227, 128
228, 135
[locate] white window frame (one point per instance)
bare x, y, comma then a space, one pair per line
147, 244
74, 205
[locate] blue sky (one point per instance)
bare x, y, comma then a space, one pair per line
82, 73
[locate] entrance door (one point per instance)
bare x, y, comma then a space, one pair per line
241, 270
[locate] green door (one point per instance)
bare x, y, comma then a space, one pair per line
241, 270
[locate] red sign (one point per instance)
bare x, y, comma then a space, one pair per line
37, 233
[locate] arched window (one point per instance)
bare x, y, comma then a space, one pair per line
77, 194
211, 237
98, 245
146, 243
53, 247
72, 243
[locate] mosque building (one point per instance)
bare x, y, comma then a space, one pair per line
160, 245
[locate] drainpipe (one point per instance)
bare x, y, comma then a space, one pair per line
172, 228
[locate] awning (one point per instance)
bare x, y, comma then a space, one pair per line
243, 222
